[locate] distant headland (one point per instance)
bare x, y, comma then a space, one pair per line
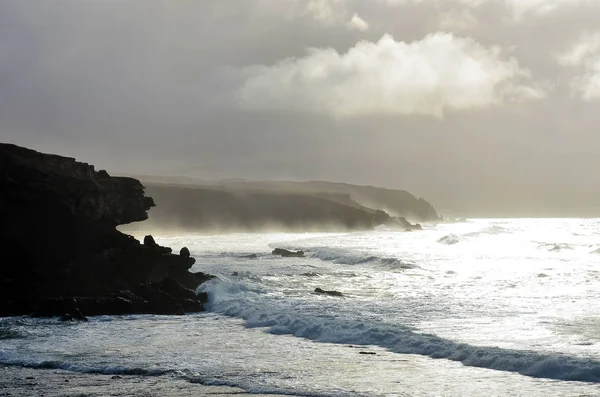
239, 205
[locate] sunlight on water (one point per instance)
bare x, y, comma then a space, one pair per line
500, 307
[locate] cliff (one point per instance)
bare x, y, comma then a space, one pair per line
60, 249
239, 205
212, 208
396, 202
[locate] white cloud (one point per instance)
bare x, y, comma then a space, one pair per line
441, 72
584, 56
358, 23
327, 11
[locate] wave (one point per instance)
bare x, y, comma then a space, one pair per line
450, 239
190, 376
356, 258
265, 390
280, 319
82, 368
492, 230
555, 247
7, 333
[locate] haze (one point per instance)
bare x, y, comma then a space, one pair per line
482, 107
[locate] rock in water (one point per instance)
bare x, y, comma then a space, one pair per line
288, 254
332, 293
60, 250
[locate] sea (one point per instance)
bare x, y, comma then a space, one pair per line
484, 307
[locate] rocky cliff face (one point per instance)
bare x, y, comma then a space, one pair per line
60, 250
203, 208
239, 205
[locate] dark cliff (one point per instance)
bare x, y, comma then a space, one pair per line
395, 202
60, 250
239, 205
206, 208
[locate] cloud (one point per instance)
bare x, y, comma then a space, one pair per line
457, 20
441, 72
523, 8
326, 10
520, 9
358, 23
584, 56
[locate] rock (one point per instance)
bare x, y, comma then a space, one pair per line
251, 256
66, 317
403, 224
331, 293
369, 353
74, 315
235, 274
62, 254
77, 315
203, 297
287, 254
184, 252
149, 241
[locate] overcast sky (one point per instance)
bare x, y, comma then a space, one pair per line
483, 107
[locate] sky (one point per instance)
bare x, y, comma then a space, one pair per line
482, 107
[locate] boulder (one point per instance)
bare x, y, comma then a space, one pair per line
331, 293
149, 241
184, 252
288, 254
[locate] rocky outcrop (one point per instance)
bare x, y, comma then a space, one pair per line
287, 253
60, 252
330, 293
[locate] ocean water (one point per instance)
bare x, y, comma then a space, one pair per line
483, 307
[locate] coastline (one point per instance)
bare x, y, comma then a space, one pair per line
25, 382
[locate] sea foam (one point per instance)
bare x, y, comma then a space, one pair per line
327, 327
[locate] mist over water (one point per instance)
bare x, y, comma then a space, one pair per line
502, 306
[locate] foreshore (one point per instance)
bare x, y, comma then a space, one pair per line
27, 382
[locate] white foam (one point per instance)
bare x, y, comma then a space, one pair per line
326, 326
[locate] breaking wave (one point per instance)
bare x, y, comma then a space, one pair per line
331, 328
450, 239
492, 230
67, 366
555, 247
356, 258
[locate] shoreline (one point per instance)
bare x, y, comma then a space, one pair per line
16, 381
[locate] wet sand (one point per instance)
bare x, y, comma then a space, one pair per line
28, 382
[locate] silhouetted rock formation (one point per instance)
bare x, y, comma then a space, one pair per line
60, 252
331, 293
288, 254
401, 223
185, 252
